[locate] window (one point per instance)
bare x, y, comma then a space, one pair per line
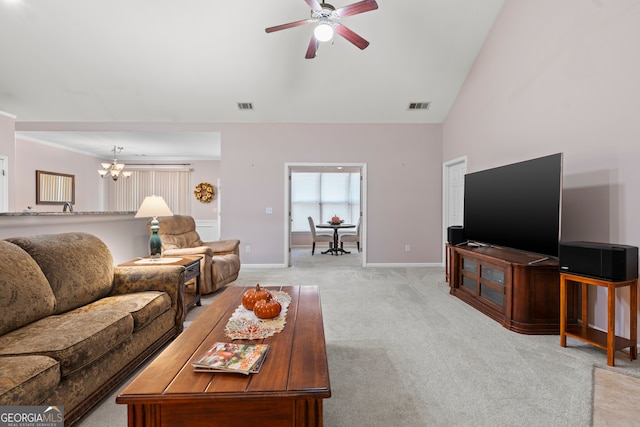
127, 194
323, 195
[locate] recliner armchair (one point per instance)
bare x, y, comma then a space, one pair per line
220, 259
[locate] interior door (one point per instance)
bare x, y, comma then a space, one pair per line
455, 203
453, 194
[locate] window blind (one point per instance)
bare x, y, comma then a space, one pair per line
322, 195
127, 194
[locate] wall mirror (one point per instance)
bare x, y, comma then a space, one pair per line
54, 188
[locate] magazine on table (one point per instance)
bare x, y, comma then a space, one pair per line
232, 357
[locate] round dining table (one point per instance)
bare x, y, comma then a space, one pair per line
335, 249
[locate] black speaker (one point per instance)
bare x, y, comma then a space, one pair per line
455, 234
614, 263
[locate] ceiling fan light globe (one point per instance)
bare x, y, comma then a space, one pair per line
323, 32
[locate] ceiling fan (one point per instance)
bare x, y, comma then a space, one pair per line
328, 18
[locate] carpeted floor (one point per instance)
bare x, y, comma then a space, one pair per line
403, 352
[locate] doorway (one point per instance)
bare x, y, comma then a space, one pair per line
324, 168
452, 196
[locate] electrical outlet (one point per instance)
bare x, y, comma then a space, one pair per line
407, 248
247, 249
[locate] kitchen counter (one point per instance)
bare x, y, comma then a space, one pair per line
34, 213
126, 236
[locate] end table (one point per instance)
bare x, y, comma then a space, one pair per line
606, 340
191, 266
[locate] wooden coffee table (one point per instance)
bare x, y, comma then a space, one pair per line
288, 390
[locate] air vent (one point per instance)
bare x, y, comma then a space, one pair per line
419, 105
245, 105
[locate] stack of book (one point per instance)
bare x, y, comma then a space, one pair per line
231, 357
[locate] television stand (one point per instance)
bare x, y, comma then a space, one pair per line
518, 289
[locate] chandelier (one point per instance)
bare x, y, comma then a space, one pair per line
114, 170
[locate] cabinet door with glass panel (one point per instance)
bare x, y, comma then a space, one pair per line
484, 280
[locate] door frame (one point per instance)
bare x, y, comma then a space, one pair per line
4, 182
446, 194
287, 203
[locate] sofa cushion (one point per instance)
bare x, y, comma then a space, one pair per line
25, 294
27, 380
74, 339
144, 307
79, 266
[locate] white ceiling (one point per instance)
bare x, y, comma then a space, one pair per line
162, 61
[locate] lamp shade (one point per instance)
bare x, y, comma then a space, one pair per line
153, 206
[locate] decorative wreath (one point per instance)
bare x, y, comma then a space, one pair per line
204, 192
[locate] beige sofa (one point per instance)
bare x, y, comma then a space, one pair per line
73, 325
220, 263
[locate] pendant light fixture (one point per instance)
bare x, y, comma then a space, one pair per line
115, 169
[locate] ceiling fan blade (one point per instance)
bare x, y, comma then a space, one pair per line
289, 25
351, 36
313, 48
313, 4
355, 8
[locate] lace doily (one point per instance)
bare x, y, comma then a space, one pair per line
244, 324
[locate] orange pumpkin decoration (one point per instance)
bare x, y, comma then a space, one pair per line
251, 296
267, 308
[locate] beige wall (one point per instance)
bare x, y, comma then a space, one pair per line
404, 180
32, 156
205, 171
403, 188
562, 77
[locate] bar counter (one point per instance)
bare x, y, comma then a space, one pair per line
126, 236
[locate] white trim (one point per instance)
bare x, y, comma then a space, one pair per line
372, 265
255, 266
445, 198
5, 184
11, 116
404, 264
207, 229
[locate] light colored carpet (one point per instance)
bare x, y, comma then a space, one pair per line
404, 352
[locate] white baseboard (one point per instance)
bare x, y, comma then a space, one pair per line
408, 264
251, 266
373, 265
208, 230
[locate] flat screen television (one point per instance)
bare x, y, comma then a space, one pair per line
516, 206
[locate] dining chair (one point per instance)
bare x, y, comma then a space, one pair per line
352, 238
318, 237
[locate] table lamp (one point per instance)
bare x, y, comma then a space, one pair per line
154, 206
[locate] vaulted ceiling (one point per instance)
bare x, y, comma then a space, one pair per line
162, 61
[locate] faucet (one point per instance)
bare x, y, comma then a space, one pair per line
67, 205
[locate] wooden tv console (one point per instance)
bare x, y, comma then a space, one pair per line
518, 289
